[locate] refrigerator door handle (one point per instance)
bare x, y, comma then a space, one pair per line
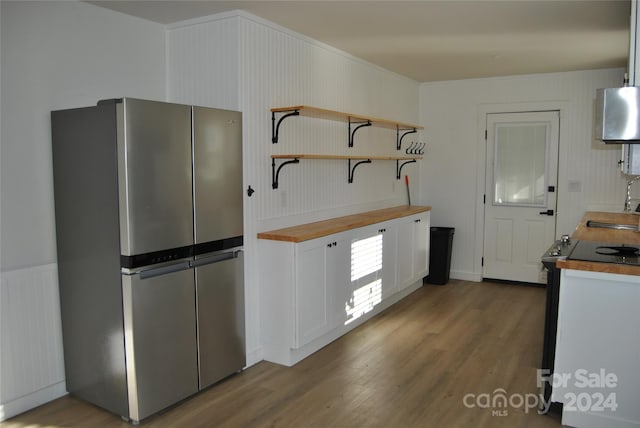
215, 258
165, 270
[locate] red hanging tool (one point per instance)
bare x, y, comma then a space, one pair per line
406, 180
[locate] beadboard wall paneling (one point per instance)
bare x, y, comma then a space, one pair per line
281, 68
454, 115
202, 64
31, 356
274, 67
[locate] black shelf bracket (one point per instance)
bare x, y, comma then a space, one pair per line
400, 137
352, 170
275, 173
399, 167
352, 133
275, 128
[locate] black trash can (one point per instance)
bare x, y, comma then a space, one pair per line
440, 255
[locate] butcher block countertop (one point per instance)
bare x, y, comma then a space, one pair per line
318, 229
584, 233
598, 267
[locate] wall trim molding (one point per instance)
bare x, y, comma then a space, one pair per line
37, 268
466, 276
30, 401
255, 356
41, 378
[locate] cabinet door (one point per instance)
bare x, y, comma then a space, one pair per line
338, 278
405, 253
366, 271
389, 232
421, 240
597, 349
322, 290
311, 292
413, 249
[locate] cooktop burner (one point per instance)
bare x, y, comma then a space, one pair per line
606, 252
617, 251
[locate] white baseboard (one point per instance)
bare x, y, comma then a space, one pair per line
466, 276
30, 401
255, 356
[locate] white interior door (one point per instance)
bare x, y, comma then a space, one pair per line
520, 194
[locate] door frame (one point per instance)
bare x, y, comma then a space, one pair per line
522, 215
563, 108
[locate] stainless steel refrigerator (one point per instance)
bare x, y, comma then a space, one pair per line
149, 223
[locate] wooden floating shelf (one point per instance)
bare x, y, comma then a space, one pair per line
321, 113
355, 122
352, 157
401, 161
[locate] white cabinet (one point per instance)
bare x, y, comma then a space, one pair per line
311, 294
597, 361
321, 283
422, 229
314, 291
371, 269
389, 232
405, 256
413, 248
337, 276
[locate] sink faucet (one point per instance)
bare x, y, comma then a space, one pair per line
627, 202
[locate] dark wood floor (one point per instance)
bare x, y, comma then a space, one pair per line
411, 366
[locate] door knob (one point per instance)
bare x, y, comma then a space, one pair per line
547, 212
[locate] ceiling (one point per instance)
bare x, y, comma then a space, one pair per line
429, 40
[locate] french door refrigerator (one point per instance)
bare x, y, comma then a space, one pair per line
148, 205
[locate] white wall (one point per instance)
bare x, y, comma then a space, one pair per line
203, 63
67, 54
274, 67
452, 175
59, 55
55, 54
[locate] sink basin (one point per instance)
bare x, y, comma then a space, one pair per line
616, 226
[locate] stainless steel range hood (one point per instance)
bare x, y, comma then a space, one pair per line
618, 115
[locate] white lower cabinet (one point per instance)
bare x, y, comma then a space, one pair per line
422, 230
314, 291
413, 248
369, 271
321, 281
597, 359
389, 231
